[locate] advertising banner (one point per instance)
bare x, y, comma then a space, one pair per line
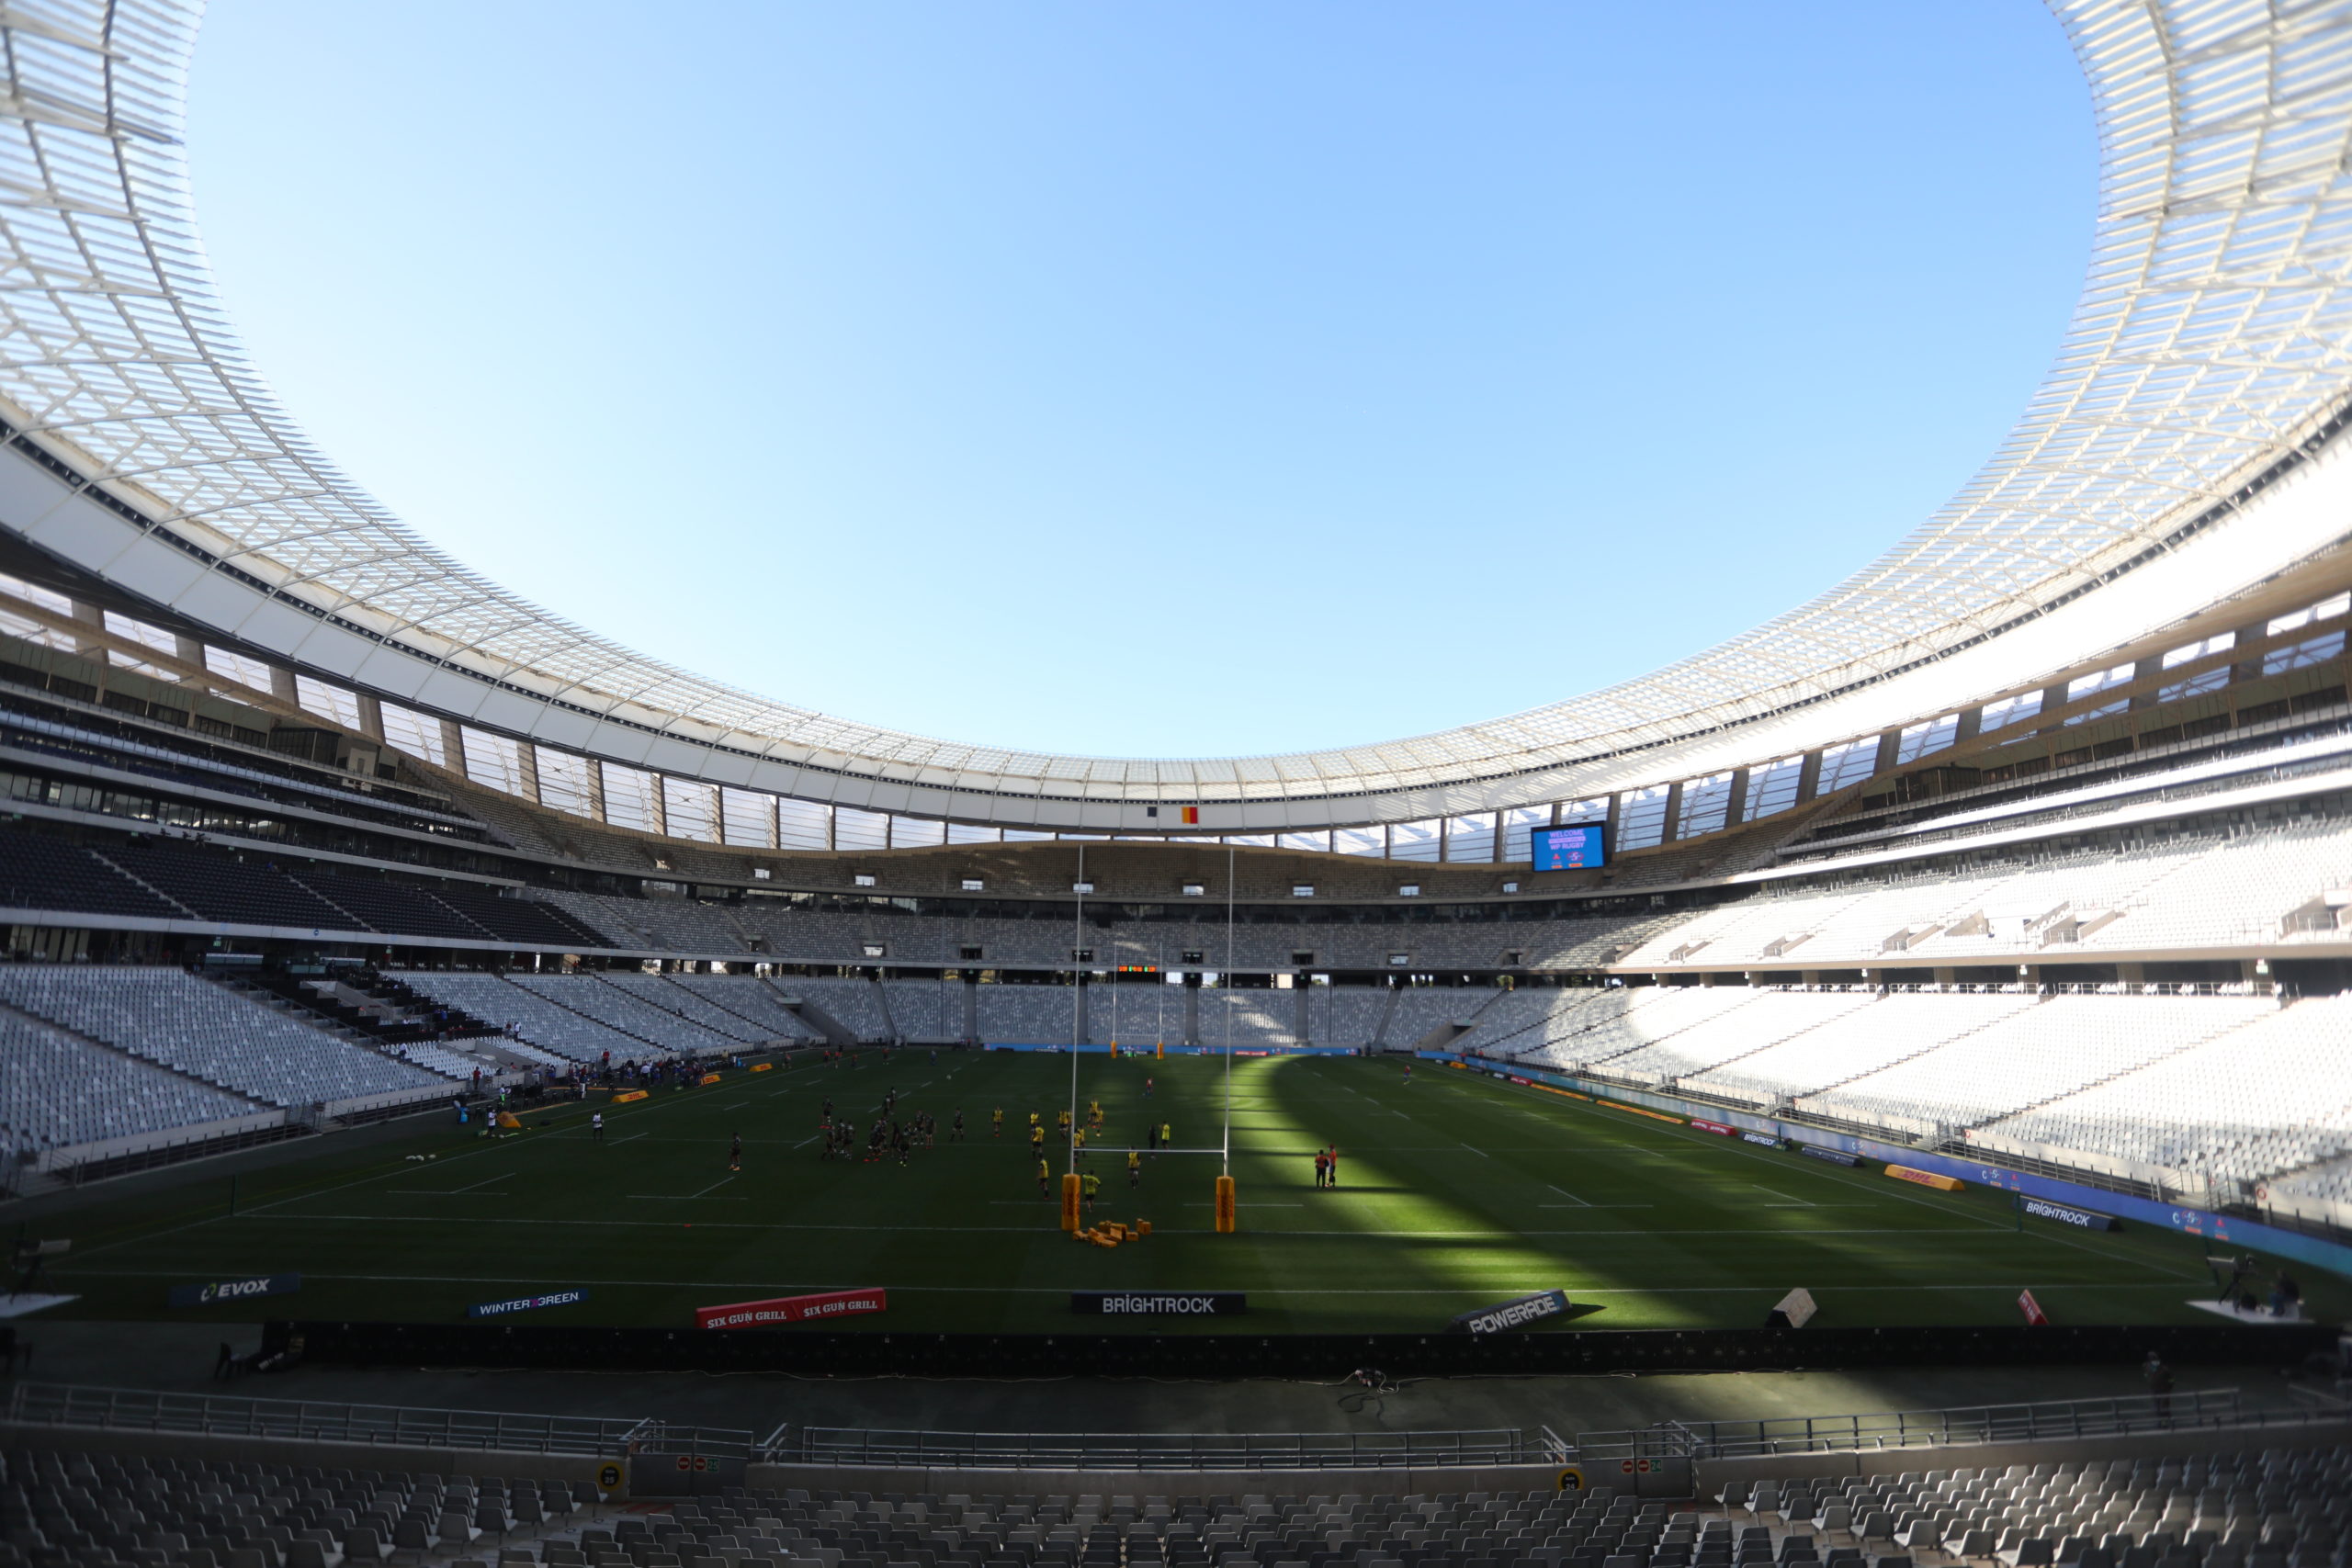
1160, 1303
526, 1303
235, 1290
782, 1310
1925, 1178
2043, 1208
1834, 1156
1766, 1139
1512, 1314
1717, 1128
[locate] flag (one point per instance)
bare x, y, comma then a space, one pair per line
1192, 816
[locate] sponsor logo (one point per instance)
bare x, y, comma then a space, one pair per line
608, 1477
1923, 1178
1766, 1139
2041, 1208
1715, 1127
1834, 1156
1512, 1314
1160, 1303
526, 1303
235, 1290
783, 1310
1523, 1083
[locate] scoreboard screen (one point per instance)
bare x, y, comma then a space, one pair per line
1568, 848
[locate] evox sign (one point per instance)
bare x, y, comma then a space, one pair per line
234, 1289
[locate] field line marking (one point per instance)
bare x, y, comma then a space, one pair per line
1651, 1234
1785, 1199
1571, 1197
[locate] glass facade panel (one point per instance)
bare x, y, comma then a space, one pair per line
1574, 812
49, 599
566, 782
1317, 842
632, 798
141, 632
1520, 821
965, 833
330, 702
746, 817
2104, 710
1706, 806
1414, 840
1772, 788
419, 735
494, 761
1927, 738
2298, 620
1252, 840
1471, 838
231, 666
916, 832
2008, 711
34, 631
2095, 682
2221, 642
1846, 764
855, 829
803, 825
2317, 651
689, 810
2196, 685
1371, 841
1641, 817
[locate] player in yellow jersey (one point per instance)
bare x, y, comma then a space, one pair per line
996, 1122
1078, 1144
1134, 1168
1088, 1187
1044, 1180
1036, 1139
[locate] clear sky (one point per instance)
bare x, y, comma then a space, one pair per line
1151, 379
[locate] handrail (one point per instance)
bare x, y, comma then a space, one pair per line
2203, 1410
376, 1426
1158, 1450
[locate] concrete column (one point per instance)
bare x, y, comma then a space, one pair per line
1735, 811
1808, 777
1669, 829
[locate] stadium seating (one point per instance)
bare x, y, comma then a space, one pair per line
592, 996
856, 1005
1346, 1015
754, 1001
1835, 1046
929, 1012
532, 1017
1025, 1015
1419, 1010
659, 992
1249, 1020
209, 1032
57, 1091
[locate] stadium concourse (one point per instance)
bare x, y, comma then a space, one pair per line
1878, 1088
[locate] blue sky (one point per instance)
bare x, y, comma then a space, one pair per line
1145, 379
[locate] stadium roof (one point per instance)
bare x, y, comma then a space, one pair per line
2212, 340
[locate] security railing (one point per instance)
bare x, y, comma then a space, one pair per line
2205, 1409
1159, 1450
375, 1426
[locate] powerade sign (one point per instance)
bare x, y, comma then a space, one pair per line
1512, 1314
235, 1290
2041, 1208
1160, 1303
526, 1303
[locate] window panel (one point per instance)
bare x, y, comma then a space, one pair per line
494, 761
1031, 836
1414, 840
855, 829
1772, 789
419, 735
2296, 621
2195, 687
567, 782
1371, 841
689, 809
2104, 710
2008, 711
1706, 806
746, 817
1846, 764
1471, 838
2097, 680
916, 832
966, 833
803, 825
49, 599
1641, 817
1518, 823
632, 798
1926, 739
1252, 840
1320, 842
2220, 642
122, 660
331, 702
34, 631
1575, 813
230, 666
2317, 651
141, 632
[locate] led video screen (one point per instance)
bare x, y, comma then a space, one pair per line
1568, 848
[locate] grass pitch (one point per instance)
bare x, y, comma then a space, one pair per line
1455, 1191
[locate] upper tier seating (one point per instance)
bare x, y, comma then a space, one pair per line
56, 1091
662, 992
589, 995
1837, 1046
754, 1001
207, 1032
38, 873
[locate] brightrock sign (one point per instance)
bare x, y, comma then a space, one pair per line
235, 1290
1160, 1303
2041, 1208
1512, 1314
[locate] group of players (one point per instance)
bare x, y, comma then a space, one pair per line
888, 1138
